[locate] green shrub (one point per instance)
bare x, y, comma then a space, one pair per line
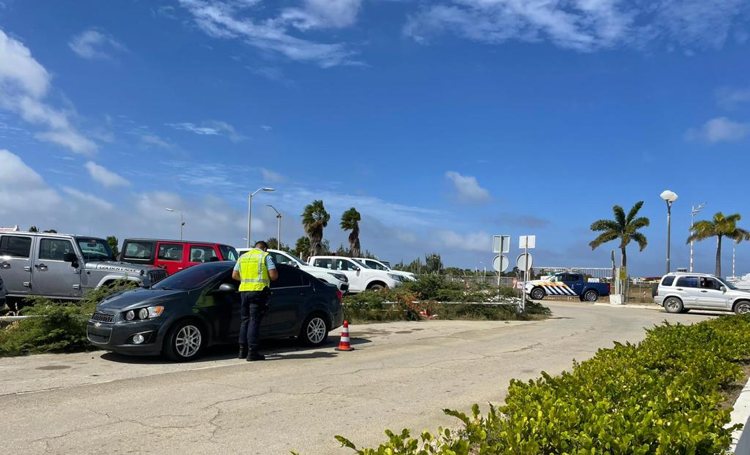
54, 326
665, 395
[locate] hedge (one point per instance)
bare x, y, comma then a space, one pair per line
665, 395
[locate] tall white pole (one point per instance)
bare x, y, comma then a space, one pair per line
249, 218
694, 211
734, 245
278, 230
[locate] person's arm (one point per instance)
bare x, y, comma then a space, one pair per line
236, 272
273, 274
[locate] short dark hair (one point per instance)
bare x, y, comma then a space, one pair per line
261, 244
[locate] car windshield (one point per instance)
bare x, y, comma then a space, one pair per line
229, 253
295, 258
194, 277
728, 284
361, 263
95, 249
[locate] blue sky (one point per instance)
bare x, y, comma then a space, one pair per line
442, 122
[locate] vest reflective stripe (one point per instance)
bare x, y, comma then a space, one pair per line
253, 273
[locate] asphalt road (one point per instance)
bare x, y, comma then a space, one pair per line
400, 375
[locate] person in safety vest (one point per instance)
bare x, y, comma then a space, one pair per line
254, 270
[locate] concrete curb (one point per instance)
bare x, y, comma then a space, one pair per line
741, 414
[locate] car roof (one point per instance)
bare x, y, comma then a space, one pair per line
690, 274
51, 234
174, 241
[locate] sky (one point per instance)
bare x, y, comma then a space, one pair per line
442, 122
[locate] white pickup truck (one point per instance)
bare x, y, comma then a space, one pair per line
379, 265
360, 276
339, 280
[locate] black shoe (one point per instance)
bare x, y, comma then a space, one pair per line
243, 352
253, 356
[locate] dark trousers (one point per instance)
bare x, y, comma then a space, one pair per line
252, 309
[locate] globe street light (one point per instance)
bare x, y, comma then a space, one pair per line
278, 226
250, 211
182, 220
694, 211
669, 197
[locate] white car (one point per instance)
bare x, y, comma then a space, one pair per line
379, 265
360, 276
679, 292
337, 279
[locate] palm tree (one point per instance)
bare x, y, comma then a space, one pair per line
624, 228
302, 247
350, 222
721, 226
314, 219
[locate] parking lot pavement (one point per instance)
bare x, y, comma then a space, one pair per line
399, 375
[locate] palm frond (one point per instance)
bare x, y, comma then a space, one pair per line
603, 238
633, 212
605, 225
640, 239
619, 215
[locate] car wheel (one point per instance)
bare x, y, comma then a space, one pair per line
673, 305
185, 341
742, 307
537, 293
376, 287
314, 331
590, 295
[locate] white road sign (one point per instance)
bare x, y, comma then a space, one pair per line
521, 262
527, 241
500, 263
501, 244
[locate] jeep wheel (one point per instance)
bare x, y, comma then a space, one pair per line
590, 295
537, 293
376, 287
314, 331
673, 305
185, 341
742, 307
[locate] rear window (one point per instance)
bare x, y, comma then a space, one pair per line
139, 250
688, 281
14, 246
667, 280
229, 253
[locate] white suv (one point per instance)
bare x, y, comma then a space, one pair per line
378, 265
282, 257
681, 291
360, 276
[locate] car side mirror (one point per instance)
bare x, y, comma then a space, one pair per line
227, 287
358, 271
72, 258
723, 289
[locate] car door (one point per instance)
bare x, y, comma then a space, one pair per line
170, 256
15, 263
686, 288
51, 275
357, 280
575, 282
200, 253
288, 295
710, 294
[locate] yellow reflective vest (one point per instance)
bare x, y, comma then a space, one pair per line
253, 271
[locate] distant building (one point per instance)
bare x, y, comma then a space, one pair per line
10, 229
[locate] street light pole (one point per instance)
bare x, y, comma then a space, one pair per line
250, 211
278, 226
182, 219
694, 211
669, 197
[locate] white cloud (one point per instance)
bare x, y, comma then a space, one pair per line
474, 241
20, 186
467, 187
271, 176
323, 14
88, 199
93, 44
720, 129
152, 139
266, 127
731, 97
24, 84
583, 25
209, 128
227, 19
105, 176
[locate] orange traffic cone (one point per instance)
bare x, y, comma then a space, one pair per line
344, 344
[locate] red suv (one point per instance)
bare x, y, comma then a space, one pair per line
174, 255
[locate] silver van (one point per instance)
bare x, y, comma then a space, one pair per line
681, 291
63, 266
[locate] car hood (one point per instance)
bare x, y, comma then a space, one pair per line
113, 266
139, 298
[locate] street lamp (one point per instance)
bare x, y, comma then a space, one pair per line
182, 220
278, 226
250, 211
669, 197
694, 211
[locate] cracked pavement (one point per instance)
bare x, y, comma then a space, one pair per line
400, 375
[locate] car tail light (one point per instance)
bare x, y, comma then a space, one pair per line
339, 296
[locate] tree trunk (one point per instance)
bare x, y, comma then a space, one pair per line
624, 261
718, 258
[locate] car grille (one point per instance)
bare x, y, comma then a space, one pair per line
96, 338
157, 275
103, 317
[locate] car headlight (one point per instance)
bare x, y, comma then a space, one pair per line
142, 314
395, 277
